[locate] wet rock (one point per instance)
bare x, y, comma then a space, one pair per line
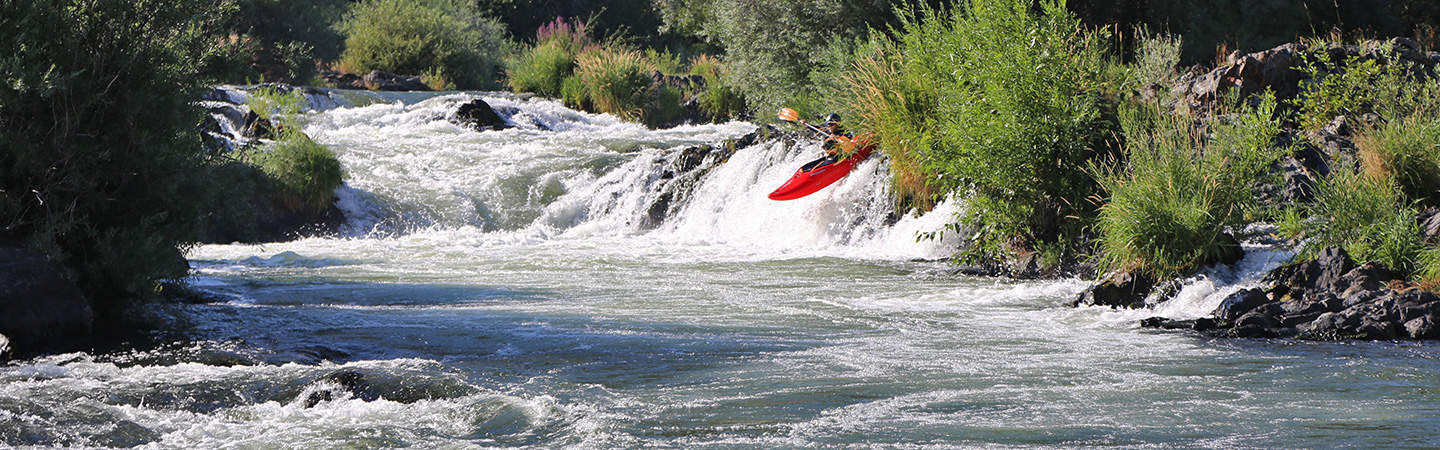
1429, 221
1119, 290
340, 384
1229, 250
479, 115
4, 347
1239, 303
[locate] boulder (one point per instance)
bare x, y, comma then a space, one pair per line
343, 80
386, 81
37, 297
1118, 290
1229, 250
479, 115
1239, 303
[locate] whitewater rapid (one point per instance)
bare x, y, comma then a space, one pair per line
536, 287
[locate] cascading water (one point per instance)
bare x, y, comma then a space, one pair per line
577, 280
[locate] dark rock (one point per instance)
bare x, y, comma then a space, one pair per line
691, 157
1423, 327
256, 127
343, 80
1256, 318
479, 115
1120, 290
1229, 250
1367, 277
1376, 330
38, 299
1430, 224
1250, 331
1026, 266
1239, 303
385, 81
1168, 324
341, 384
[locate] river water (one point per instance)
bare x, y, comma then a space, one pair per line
510, 288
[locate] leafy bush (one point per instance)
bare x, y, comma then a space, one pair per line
274, 104
998, 101
617, 81
665, 107
574, 94
448, 38
1181, 186
287, 36
100, 154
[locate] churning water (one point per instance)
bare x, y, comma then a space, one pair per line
567, 283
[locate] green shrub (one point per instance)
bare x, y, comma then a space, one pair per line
1353, 86
617, 81
772, 47
288, 36
1408, 152
1429, 270
306, 172
446, 37
997, 101
1156, 57
1181, 187
542, 70
717, 100
101, 160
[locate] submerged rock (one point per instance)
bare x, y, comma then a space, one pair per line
479, 115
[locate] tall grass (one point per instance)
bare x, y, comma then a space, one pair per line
306, 172
717, 99
1408, 152
617, 80
1181, 185
1366, 216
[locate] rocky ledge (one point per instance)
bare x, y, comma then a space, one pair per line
1329, 298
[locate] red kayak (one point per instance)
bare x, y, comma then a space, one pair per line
822, 172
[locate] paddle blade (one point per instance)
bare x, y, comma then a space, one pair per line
788, 115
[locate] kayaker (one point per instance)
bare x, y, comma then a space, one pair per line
838, 144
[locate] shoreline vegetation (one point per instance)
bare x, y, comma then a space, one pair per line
1095, 138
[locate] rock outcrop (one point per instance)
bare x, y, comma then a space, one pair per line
1328, 298
37, 298
375, 81
1118, 290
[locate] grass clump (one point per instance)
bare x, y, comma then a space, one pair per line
997, 100
544, 68
718, 101
447, 39
1181, 186
617, 81
1368, 217
1407, 152
306, 172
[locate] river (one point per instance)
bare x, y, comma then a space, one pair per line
512, 288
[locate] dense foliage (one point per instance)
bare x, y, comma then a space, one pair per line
445, 39
1185, 180
100, 155
285, 39
996, 101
